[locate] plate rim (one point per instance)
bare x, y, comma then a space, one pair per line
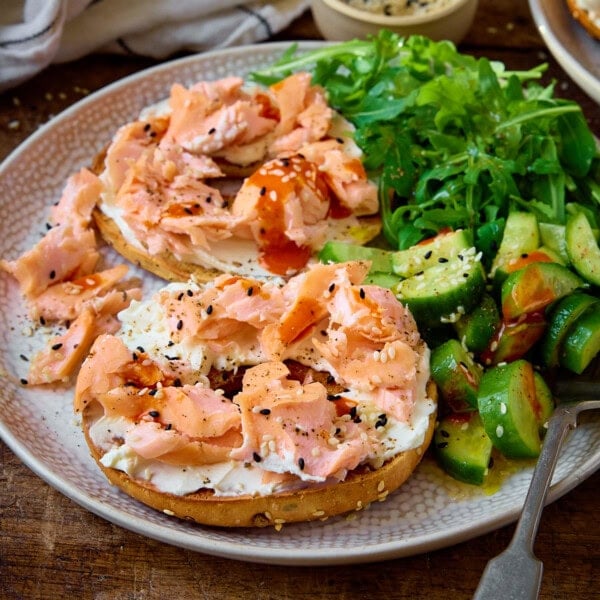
229, 548
583, 77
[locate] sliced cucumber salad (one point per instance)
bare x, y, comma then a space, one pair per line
494, 330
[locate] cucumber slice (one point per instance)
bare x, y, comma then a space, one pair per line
462, 447
386, 280
544, 405
521, 236
336, 252
561, 318
444, 246
534, 287
456, 375
444, 292
475, 330
514, 339
582, 248
582, 342
506, 402
552, 237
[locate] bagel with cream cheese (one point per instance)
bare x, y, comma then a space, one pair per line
221, 178
587, 13
242, 402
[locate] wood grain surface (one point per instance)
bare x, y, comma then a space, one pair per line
52, 548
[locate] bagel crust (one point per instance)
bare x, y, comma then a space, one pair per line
583, 17
361, 487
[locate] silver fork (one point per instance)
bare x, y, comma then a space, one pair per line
516, 573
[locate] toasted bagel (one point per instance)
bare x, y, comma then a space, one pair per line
584, 17
360, 488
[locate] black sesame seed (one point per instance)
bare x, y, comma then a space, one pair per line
190, 293
362, 293
134, 356
211, 131
188, 211
177, 382
441, 259
154, 414
209, 309
52, 274
57, 346
256, 457
168, 427
24, 381
428, 254
170, 343
42, 321
301, 463
250, 291
153, 392
332, 287
524, 255
208, 199
23, 357
179, 325
263, 190
265, 411
141, 349
444, 433
147, 127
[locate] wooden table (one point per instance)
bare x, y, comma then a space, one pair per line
52, 548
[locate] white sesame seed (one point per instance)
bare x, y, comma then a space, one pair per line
381, 486
499, 431
503, 408
169, 512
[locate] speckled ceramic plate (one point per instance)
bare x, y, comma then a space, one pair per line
576, 51
431, 511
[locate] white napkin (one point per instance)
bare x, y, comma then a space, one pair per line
35, 33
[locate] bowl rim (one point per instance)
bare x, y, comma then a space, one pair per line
390, 21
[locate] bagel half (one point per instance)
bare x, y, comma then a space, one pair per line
360, 488
585, 17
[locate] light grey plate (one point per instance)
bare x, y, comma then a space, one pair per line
431, 511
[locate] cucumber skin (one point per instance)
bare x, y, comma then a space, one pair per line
582, 342
456, 375
582, 248
544, 403
506, 400
462, 448
475, 329
561, 318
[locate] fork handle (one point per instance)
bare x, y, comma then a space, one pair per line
516, 574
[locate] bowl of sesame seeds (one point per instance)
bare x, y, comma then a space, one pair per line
341, 20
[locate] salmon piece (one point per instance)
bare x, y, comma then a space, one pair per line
105, 368
283, 207
150, 440
78, 200
344, 175
130, 142
64, 301
290, 427
210, 116
64, 252
305, 296
304, 113
64, 353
